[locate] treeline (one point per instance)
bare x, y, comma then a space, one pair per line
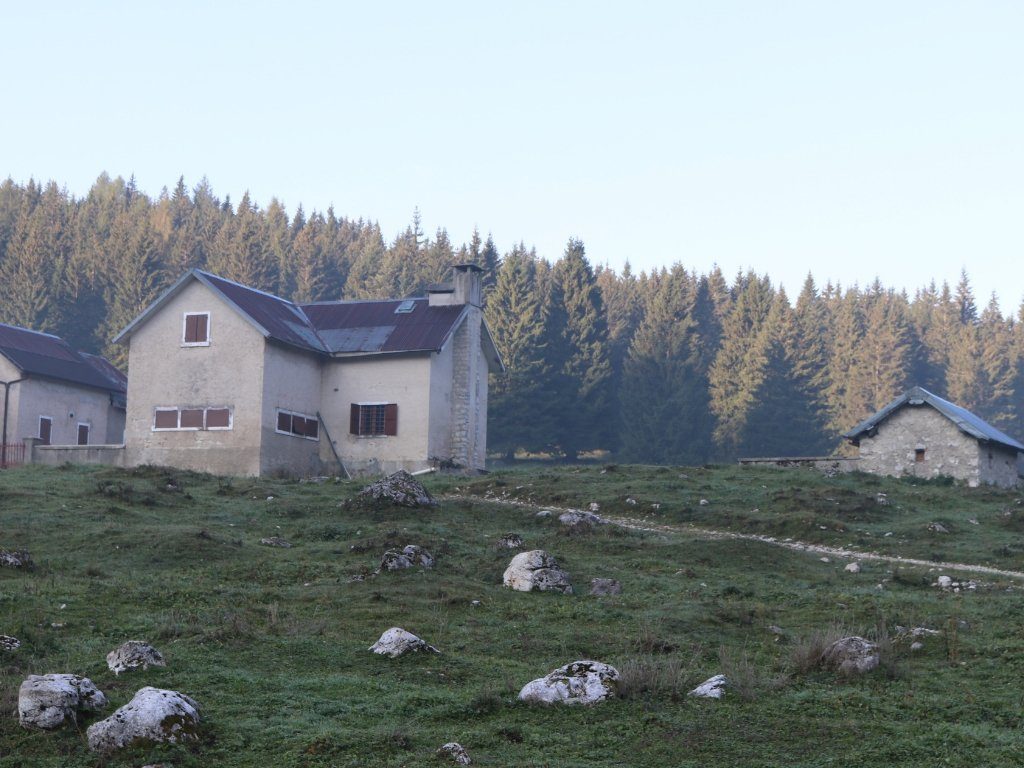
671, 366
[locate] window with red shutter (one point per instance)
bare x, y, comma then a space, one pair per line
166, 418
45, 429
191, 418
391, 419
218, 418
373, 419
83, 434
197, 329
298, 425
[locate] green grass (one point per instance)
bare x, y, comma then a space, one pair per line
273, 642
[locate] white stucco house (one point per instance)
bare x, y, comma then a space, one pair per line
921, 435
228, 379
55, 395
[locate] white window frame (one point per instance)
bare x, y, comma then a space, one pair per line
278, 411
39, 428
209, 330
88, 432
204, 408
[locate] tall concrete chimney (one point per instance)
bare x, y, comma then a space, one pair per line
466, 288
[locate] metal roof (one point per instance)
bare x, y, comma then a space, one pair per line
354, 327
966, 421
43, 354
341, 328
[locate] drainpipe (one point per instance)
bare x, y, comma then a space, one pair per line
3, 436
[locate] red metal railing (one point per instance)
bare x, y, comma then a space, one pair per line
12, 455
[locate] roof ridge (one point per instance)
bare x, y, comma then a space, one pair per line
268, 294
32, 330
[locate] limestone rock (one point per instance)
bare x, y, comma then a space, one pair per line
510, 541
603, 587
937, 528
852, 568
536, 570
851, 655
595, 507
409, 556
577, 519
154, 715
545, 514
917, 645
704, 502
401, 488
455, 752
47, 701
132, 655
944, 582
396, 641
275, 541
15, 558
8, 643
712, 688
581, 682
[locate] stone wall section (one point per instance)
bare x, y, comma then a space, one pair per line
466, 387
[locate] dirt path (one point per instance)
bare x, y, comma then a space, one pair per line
638, 524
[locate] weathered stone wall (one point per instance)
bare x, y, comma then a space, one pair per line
998, 465
56, 455
826, 464
291, 382
947, 450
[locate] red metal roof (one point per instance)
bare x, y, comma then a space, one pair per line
43, 354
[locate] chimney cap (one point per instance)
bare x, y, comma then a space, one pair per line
468, 268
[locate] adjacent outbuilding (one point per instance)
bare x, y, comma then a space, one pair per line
921, 435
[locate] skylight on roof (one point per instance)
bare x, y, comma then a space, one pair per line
405, 307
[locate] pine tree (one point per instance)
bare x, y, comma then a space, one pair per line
577, 338
515, 317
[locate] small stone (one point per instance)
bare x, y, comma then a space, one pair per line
8, 643
851, 655
396, 642
545, 514
937, 528
536, 570
581, 682
15, 558
704, 502
510, 541
578, 520
824, 560
595, 507
601, 587
656, 506
631, 501
852, 568
973, 521
132, 655
882, 499
944, 582
712, 688
455, 752
917, 645
411, 555
275, 541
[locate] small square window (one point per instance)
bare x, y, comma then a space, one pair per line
919, 455
218, 418
166, 418
197, 329
191, 418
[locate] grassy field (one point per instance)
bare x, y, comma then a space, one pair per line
273, 642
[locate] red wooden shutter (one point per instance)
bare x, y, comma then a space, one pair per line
190, 328
45, 427
83, 434
166, 419
191, 418
298, 425
391, 419
202, 328
218, 418
353, 420
313, 428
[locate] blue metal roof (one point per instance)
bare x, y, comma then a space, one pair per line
966, 421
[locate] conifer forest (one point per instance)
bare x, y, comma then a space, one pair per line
663, 367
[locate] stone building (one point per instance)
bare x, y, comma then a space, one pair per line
921, 435
53, 394
228, 379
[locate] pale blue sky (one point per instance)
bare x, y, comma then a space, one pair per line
854, 140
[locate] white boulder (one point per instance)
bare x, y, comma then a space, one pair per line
47, 701
455, 752
577, 519
536, 570
852, 568
396, 641
712, 688
154, 715
581, 682
132, 655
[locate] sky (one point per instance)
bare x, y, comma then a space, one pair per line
854, 140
